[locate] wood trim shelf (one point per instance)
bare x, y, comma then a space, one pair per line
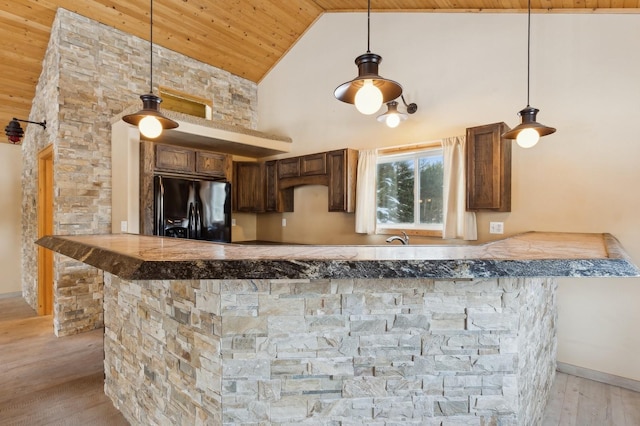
411, 232
409, 148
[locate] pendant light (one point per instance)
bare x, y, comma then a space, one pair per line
149, 119
393, 117
368, 91
529, 131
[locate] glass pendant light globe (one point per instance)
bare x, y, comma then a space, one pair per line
393, 120
528, 138
150, 127
369, 98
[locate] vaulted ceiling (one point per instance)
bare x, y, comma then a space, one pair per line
244, 37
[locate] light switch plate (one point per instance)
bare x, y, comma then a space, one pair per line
284, 222
233, 222
496, 227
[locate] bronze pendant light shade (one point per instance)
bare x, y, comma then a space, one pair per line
529, 131
149, 119
528, 115
368, 70
392, 118
150, 104
368, 91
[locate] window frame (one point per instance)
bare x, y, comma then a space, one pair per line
410, 152
185, 103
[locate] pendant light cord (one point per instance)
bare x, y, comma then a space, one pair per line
368, 26
528, 49
151, 48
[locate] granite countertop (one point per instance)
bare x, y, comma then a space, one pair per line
532, 254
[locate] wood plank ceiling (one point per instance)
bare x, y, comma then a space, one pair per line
244, 37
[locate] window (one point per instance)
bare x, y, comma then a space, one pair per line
174, 100
409, 191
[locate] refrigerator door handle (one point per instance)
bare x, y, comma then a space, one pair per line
191, 230
198, 224
160, 219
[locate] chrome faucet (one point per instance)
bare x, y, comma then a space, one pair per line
404, 239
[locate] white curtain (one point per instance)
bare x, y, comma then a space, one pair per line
458, 223
366, 192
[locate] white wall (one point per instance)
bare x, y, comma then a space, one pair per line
470, 69
10, 221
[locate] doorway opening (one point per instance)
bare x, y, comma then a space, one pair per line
45, 227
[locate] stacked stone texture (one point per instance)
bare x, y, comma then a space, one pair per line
91, 73
330, 352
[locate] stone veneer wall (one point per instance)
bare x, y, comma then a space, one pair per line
36, 139
92, 72
330, 352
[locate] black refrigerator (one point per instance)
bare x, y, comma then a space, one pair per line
196, 209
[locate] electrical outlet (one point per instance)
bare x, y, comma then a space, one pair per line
496, 227
123, 226
233, 222
284, 222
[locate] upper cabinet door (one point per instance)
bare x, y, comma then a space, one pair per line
342, 180
276, 199
248, 187
314, 164
174, 158
488, 168
289, 167
212, 164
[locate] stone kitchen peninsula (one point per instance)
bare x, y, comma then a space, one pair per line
224, 334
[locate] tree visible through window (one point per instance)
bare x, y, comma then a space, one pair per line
409, 190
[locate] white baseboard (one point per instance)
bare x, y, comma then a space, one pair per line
8, 295
609, 379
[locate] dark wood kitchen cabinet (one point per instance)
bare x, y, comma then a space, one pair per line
213, 164
174, 159
269, 186
307, 165
289, 167
342, 167
488, 158
256, 189
248, 187
313, 164
187, 161
276, 199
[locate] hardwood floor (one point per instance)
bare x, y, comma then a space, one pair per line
583, 402
45, 380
